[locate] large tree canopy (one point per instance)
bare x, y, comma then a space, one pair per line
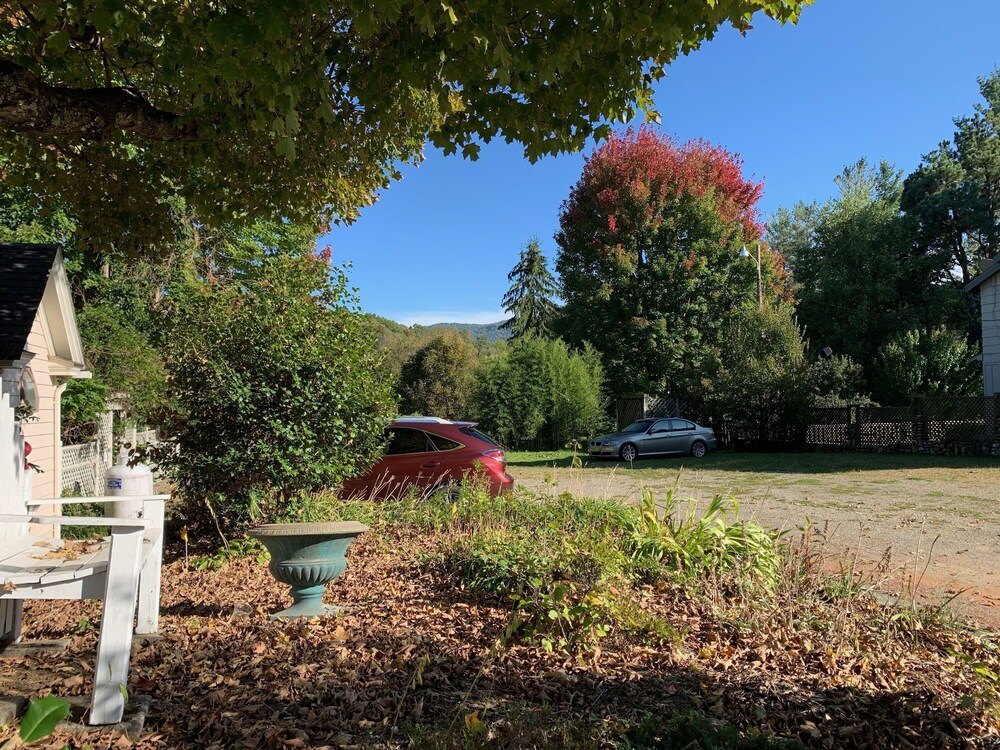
306, 107
861, 277
954, 196
649, 261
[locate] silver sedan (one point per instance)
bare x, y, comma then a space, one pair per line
655, 437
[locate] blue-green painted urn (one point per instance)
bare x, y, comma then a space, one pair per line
307, 556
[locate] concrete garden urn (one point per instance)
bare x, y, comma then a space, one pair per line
307, 556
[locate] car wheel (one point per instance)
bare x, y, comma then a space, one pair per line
699, 449
628, 453
452, 490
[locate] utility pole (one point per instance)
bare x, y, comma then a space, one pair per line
744, 253
760, 284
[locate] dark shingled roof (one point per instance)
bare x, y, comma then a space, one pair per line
24, 272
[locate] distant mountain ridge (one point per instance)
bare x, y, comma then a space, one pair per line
492, 331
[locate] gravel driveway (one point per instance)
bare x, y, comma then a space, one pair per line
937, 518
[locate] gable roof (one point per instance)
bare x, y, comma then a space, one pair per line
24, 274
991, 270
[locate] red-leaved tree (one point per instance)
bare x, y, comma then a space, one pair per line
649, 260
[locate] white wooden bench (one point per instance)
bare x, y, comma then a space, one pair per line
119, 570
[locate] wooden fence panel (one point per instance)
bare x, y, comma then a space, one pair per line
885, 426
831, 426
959, 419
629, 410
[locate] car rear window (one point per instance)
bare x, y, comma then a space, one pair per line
443, 443
403, 440
473, 432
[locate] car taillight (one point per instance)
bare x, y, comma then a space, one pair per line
497, 455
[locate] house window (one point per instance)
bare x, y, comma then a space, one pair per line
29, 392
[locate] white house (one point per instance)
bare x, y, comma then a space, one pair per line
40, 350
987, 284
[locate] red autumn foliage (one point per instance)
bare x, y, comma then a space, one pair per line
645, 167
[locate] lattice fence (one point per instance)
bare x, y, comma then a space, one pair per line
885, 426
629, 410
84, 467
664, 406
831, 426
928, 424
959, 420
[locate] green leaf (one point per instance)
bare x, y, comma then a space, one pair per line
286, 147
41, 718
58, 41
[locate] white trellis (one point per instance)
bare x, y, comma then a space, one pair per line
84, 467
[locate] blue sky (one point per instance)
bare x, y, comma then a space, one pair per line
880, 79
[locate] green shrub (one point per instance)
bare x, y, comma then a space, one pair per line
567, 567
280, 389
84, 401
540, 393
693, 543
760, 387
123, 357
837, 381
935, 362
437, 380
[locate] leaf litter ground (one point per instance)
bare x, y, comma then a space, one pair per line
414, 648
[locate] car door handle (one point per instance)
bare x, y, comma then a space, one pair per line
430, 465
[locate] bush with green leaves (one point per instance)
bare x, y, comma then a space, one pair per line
759, 388
696, 541
279, 387
125, 359
566, 566
928, 362
82, 404
837, 381
437, 380
540, 394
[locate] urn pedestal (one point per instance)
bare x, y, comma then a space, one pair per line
307, 556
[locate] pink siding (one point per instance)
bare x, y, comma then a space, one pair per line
41, 433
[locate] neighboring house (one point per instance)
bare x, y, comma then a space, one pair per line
40, 350
987, 284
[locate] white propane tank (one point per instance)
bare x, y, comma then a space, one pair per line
124, 481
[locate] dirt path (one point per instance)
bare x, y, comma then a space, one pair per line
939, 524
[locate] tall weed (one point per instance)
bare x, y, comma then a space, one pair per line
691, 543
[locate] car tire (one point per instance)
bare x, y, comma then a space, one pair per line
699, 448
451, 490
628, 452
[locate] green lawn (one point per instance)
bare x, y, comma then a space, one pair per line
771, 463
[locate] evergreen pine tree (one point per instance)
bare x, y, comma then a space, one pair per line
529, 299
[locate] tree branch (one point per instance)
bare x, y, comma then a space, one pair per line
30, 105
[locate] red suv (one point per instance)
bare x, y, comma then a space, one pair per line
429, 453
